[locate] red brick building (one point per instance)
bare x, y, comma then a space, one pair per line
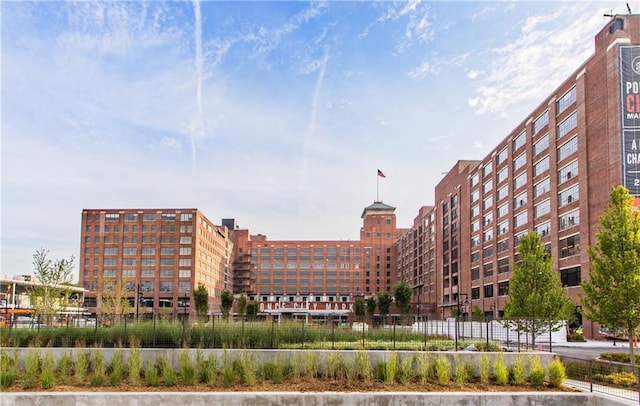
155, 258
552, 174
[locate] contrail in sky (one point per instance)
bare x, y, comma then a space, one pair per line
198, 131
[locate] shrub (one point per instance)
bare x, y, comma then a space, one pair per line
391, 368
244, 367
169, 376
48, 372
31, 367
272, 371
424, 367
619, 357
363, 366
406, 369
485, 369
518, 371
98, 369
8, 377
463, 372
500, 371
134, 364
311, 364
151, 374
81, 367
442, 370
187, 369
626, 379
335, 367
65, 368
208, 370
228, 373
379, 371
536, 372
557, 373
116, 369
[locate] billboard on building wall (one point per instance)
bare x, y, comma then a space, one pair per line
630, 117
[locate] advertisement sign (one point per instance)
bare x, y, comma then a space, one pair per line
630, 117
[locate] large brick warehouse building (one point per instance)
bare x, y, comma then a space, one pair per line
552, 174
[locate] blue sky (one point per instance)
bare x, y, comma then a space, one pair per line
277, 114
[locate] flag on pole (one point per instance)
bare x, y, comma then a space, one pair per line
381, 174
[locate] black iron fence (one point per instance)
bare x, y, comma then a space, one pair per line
217, 332
612, 378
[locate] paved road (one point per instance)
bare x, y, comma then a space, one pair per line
588, 353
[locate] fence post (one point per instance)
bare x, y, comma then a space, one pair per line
394, 336
333, 333
518, 330
153, 315
487, 335
425, 333
591, 376
303, 323
213, 330
363, 334
273, 327
550, 350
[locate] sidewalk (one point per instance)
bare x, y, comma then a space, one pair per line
595, 344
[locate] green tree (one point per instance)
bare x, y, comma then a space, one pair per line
402, 295
51, 295
113, 297
384, 304
360, 307
477, 314
371, 307
201, 301
226, 302
242, 305
536, 295
612, 293
252, 310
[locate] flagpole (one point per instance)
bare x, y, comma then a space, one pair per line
377, 188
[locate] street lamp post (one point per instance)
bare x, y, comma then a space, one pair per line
466, 302
138, 302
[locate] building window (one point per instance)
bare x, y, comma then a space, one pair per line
475, 210
487, 186
488, 202
168, 216
568, 196
542, 145
488, 235
567, 148
503, 210
542, 208
502, 156
519, 141
541, 188
486, 170
475, 179
541, 122
487, 252
568, 172
520, 200
503, 227
475, 293
569, 246
503, 265
543, 229
568, 124
520, 180
569, 220
503, 174
148, 251
475, 196
503, 288
488, 290
475, 273
186, 217
185, 240
519, 161
541, 166
475, 241
475, 256
520, 219
503, 246
570, 276
488, 219
488, 269
148, 217
566, 100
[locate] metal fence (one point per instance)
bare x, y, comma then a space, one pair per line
612, 378
217, 332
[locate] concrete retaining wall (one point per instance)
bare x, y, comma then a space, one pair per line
304, 399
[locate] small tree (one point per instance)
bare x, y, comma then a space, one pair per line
402, 295
535, 291
477, 314
384, 304
113, 297
360, 308
252, 310
612, 294
54, 278
201, 300
371, 307
241, 302
226, 302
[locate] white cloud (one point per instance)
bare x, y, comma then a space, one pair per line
519, 72
425, 68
